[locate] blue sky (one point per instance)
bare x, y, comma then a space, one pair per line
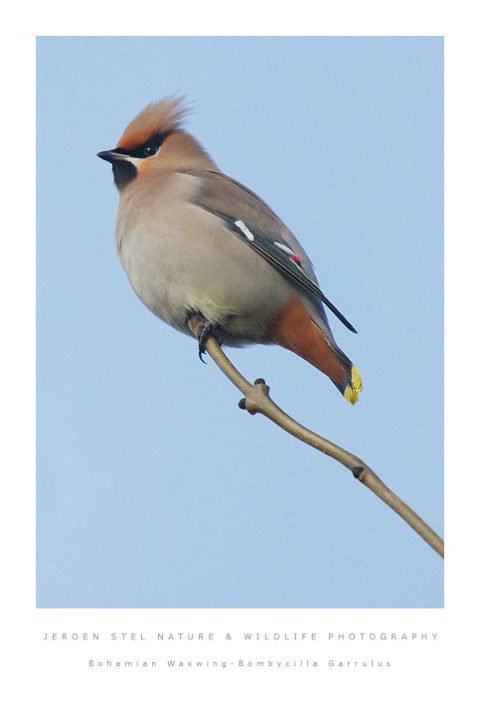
153, 489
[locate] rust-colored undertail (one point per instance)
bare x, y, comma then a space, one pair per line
294, 329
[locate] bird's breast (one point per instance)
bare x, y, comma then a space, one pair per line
181, 258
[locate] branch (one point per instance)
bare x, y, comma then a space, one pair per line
257, 400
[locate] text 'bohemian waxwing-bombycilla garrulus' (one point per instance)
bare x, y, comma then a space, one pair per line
195, 242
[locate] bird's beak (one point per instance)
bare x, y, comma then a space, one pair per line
112, 155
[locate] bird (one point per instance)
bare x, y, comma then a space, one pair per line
196, 243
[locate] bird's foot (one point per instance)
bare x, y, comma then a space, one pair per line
204, 330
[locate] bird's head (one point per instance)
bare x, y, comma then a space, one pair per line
154, 141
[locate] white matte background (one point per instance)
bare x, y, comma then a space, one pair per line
441, 676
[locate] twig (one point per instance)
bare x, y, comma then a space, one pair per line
257, 400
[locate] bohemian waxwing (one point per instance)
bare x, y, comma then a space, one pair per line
195, 242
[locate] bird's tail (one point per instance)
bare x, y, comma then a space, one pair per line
294, 329
328, 358
351, 386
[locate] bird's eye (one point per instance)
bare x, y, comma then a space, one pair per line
150, 147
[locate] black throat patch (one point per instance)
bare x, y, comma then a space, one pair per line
123, 172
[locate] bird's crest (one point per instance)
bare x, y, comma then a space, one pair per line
162, 116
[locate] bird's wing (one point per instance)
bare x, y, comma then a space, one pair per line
251, 220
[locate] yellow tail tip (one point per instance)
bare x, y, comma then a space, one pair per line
351, 391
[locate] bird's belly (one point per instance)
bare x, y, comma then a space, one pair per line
175, 273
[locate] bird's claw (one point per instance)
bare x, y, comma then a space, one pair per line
205, 330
